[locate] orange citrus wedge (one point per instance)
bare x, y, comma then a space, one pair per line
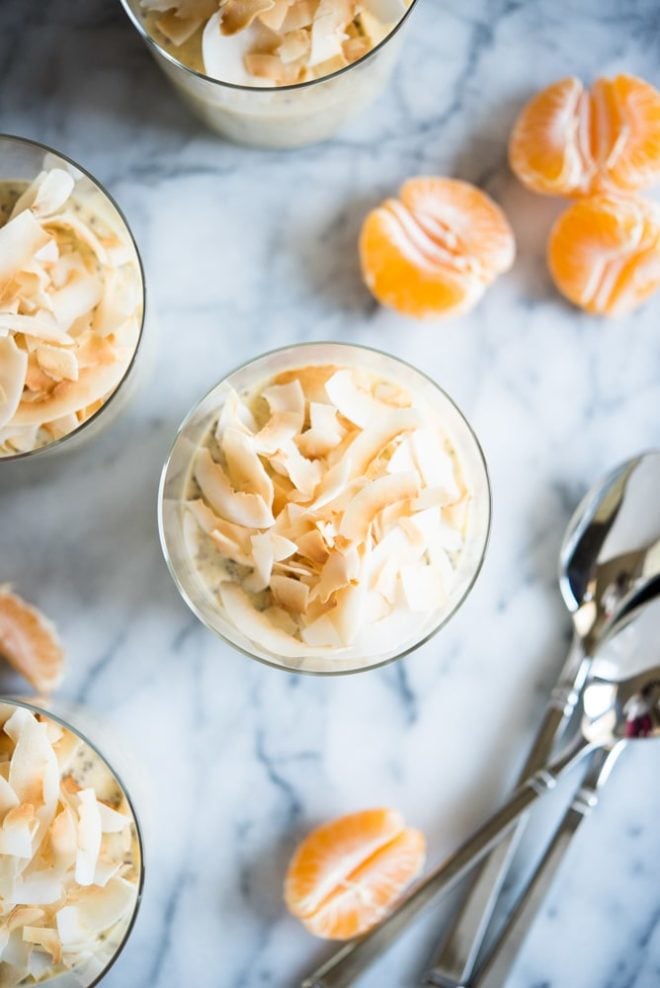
346, 874
604, 253
29, 642
569, 141
435, 249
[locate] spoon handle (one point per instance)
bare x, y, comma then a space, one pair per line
456, 958
495, 969
355, 957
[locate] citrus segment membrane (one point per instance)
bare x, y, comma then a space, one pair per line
571, 141
29, 642
346, 874
435, 249
604, 253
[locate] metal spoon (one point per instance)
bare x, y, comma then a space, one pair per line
615, 711
630, 636
611, 549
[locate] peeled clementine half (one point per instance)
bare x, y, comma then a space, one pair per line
29, 642
604, 253
346, 874
435, 249
569, 141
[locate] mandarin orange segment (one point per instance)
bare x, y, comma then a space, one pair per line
604, 253
568, 141
435, 249
346, 874
29, 642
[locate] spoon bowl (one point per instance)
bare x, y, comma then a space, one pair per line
611, 548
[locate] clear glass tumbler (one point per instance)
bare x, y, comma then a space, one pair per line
21, 160
243, 381
286, 116
93, 767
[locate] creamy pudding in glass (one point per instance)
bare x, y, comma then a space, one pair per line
274, 73
71, 300
71, 868
326, 508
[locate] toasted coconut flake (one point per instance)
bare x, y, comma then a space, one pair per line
304, 474
355, 404
348, 615
340, 569
102, 908
89, 837
267, 549
313, 546
295, 45
290, 593
177, 29
47, 939
64, 837
386, 11
286, 398
321, 633
245, 468
77, 298
434, 464
18, 831
20, 239
239, 14
377, 495
8, 798
13, 372
329, 30
263, 65
280, 429
41, 325
48, 193
325, 433
112, 822
300, 14
274, 18
28, 641
249, 510
57, 362
235, 414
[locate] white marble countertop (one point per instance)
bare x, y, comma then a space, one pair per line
245, 251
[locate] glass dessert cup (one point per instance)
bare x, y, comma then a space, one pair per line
285, 116
175, 480
21, 161
90, 766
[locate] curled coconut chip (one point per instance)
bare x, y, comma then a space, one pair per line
282, 42
70, 314
29, 642
69, 862
330, 504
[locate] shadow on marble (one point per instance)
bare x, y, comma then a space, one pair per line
329, 258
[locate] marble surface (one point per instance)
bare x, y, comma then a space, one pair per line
245, 251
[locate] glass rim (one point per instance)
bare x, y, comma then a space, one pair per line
63, 440
58, 718
241, 87
183, 592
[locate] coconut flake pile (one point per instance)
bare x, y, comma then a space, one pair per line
287, 41
70, 313
68, 874
332, 504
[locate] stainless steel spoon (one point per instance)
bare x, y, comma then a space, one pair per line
633, 638
616, 710
611, 549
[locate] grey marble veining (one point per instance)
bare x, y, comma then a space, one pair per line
245, 251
